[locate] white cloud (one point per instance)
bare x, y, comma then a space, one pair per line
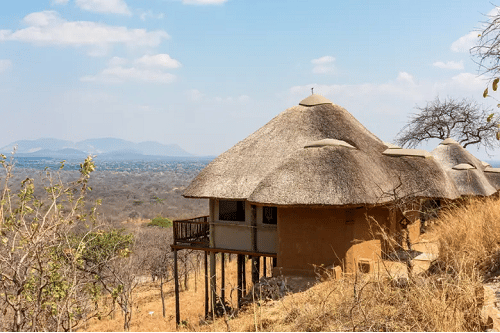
242, 99
104, 6
5, 64
149, 14
404, 77
42, 19
203, 2
121, 74
195, 95
323, 65
494, 12
323, 60
449, 64
469, 81
48, 28
149, 69
117, 61
465, 43
59, 2
158, 60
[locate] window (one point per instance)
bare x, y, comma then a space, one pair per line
364, 266
269, 215
231, 210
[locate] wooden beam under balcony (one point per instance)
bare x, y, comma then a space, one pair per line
220, 250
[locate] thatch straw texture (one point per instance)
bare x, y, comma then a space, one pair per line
493, 176
271, 166
472, 182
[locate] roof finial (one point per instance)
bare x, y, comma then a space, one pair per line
312, 91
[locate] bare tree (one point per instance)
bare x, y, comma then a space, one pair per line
153, 249
487, 51
463, 120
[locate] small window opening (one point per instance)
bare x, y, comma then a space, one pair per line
269, 215
364, 266
231, 210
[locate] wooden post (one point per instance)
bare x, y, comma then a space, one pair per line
213, 281
206, 284
223, 277
255, 270
176, 288
244, 275
264, 269
239, 259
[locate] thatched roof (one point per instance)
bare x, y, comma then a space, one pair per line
493, 176
391, 145
466, 170
317, 155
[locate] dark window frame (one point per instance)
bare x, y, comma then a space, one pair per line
231, 210
272, 215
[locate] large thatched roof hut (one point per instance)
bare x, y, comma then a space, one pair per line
467, 172
306, 185
317, 153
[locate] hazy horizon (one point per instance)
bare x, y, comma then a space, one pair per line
204, 74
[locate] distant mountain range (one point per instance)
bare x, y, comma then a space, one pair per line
105, 148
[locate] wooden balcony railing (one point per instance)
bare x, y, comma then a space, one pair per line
192, 231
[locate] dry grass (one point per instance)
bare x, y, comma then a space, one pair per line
469, 237
191, 304
431, 304
448, 298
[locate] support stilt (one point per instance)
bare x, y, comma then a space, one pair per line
239, 261
213, 282
244, 276
223, 278
206, 284
264, 268
176, 287
255, 270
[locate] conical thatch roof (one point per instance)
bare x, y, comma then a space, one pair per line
317, 155
466, 170
493, 176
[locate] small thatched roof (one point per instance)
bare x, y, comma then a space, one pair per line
407, 152
465, 169
391, 145
493, 175
463, 166
317, 155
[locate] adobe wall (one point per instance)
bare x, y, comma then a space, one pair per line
326, 236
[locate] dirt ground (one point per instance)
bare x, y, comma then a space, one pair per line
147, 310
147, 314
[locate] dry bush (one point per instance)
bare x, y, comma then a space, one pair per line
435, 303
469, 237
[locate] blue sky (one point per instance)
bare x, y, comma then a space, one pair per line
207, 73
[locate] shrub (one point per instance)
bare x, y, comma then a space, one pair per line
160, 221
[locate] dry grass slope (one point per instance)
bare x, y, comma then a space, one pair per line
447, 298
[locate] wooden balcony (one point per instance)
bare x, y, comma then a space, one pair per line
194, 231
